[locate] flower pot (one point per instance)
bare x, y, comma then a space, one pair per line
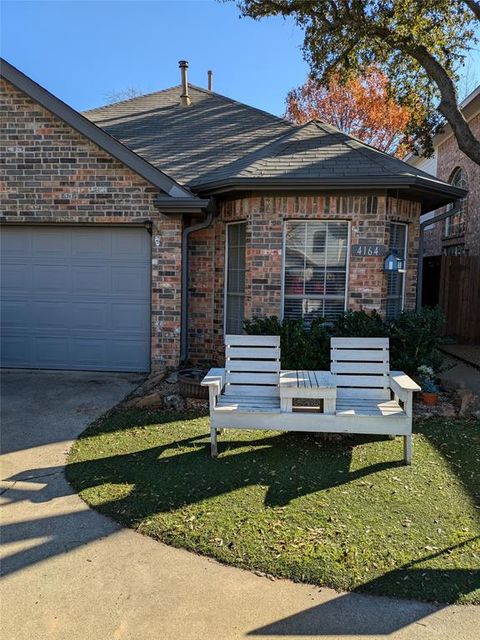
429, 398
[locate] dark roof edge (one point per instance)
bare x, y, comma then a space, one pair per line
181, 205
87, 128
363, 182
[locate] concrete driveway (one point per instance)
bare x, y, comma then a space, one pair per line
70, 573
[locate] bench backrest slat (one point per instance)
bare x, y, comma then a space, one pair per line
361, 367
252, 365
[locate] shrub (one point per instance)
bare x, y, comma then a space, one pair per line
414, 339
302, 347
359, 324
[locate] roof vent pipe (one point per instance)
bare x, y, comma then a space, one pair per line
210, 79
184, 98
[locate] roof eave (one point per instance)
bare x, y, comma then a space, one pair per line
434, 193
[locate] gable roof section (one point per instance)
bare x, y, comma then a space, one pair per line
319, 155
97, 135
189, 142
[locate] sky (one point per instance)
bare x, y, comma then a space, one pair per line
82, 50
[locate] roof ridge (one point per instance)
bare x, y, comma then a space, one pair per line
144, 95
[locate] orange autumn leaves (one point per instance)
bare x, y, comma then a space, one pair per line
361, 107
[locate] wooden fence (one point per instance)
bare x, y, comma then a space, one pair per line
460, 297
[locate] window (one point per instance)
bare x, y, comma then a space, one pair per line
235, 277
396, 281
455, 225
315, 270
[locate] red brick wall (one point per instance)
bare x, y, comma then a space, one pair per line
265, 215
52, 174
449, 158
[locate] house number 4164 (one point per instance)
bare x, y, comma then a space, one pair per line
374, 250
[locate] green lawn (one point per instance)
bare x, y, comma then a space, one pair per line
346, 515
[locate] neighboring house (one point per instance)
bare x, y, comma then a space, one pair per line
134, 236
459, 235
451, 265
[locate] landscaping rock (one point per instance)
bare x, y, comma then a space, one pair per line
174, 401
172, 377
469, 402
151, 400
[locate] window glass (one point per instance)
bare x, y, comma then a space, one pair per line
235, 285
455, 225
315, 269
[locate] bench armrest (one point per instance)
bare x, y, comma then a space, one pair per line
400, 381
215, 380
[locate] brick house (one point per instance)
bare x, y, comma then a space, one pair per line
451, 264
461, 234
135, 235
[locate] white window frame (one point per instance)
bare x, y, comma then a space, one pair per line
225, 270
405, 263
286, 221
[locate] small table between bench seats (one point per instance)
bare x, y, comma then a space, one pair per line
307, 384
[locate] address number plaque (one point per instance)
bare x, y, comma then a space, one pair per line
373, 250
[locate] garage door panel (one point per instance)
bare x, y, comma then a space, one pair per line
16, 314
51, 243
16, 348
128, 280
51, 351
90, 316
76, 298
51, 315
90, 352
130, 247
92, 243
15, 277
51, 278
129, 317
129, 351
15, 243
90, 279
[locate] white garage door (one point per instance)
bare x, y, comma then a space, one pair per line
75, 298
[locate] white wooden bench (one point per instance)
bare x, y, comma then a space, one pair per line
369, 398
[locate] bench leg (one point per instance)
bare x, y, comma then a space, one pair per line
407, 449
213, 441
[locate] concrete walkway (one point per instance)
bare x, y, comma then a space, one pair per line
72, 574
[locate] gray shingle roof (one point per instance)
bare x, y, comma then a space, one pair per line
189, 142
217, 141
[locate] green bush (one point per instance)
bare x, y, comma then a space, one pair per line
359, 324
414, 339
302, 347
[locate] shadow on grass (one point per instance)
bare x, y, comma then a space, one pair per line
163, 478
458, 442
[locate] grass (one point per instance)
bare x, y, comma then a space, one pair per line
347, 515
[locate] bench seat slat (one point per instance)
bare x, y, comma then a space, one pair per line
361, 381
351, 406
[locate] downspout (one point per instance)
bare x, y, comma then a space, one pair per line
426, 223
206, 222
